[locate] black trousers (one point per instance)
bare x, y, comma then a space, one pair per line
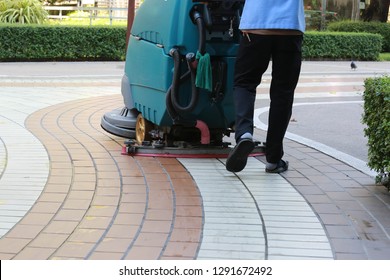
252, 61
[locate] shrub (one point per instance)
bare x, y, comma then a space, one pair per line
377, 118
341, 45
380, 28
22, 11
61, 43
45, 43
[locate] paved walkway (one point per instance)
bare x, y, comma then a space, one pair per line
66, 192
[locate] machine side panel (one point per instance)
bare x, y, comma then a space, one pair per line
148, 65
149, 72
166, 23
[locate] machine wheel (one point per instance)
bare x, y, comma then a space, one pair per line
142, 129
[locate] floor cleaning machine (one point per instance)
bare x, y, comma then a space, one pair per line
177, 86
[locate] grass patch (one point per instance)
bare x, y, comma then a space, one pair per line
384, 57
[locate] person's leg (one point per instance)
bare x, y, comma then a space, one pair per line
252, 61
286, 66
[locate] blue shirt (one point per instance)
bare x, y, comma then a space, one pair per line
273, 14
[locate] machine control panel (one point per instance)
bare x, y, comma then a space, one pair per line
221, 17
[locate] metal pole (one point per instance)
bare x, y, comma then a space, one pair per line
130, 19
323, 14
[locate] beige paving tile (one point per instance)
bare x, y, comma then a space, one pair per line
157, 226
35, 254
105, 256
9, 245
160, 215
76, 204
189, 222
25, 231
151, 239
59, 180
37, 219
189, 211
186, 235
52, 197
4, 256
70, 215
133, 180
86, 235
105, 200
129, 219
91, 222
61, 172
160, 204
46, 207
160, 185
73, 250
134, 197
79, 185
135, 208
181, 249
56, 189
115, 245
81, 194
61, 227
101, 211
144, 253
107, 175
103, 191
122, 231
49, 240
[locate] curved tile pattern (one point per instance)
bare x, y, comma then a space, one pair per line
99, 204
255, 215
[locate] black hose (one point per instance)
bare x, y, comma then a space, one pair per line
168, 100
175, 109
199, 21
175, 84
172, 99
194, 93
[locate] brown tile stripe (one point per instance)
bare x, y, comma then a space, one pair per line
99, 204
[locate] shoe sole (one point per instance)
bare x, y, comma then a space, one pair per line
278, 169
238, 157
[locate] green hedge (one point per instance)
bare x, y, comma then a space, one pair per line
65, 43
380, 28
377, 118
341, 46
76, 43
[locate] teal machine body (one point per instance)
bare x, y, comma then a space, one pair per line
174, 45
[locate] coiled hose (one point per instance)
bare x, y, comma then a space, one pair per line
174, 108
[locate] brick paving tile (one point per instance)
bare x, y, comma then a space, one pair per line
181, 249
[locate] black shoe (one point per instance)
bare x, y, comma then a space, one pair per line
280, 167
238, 157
